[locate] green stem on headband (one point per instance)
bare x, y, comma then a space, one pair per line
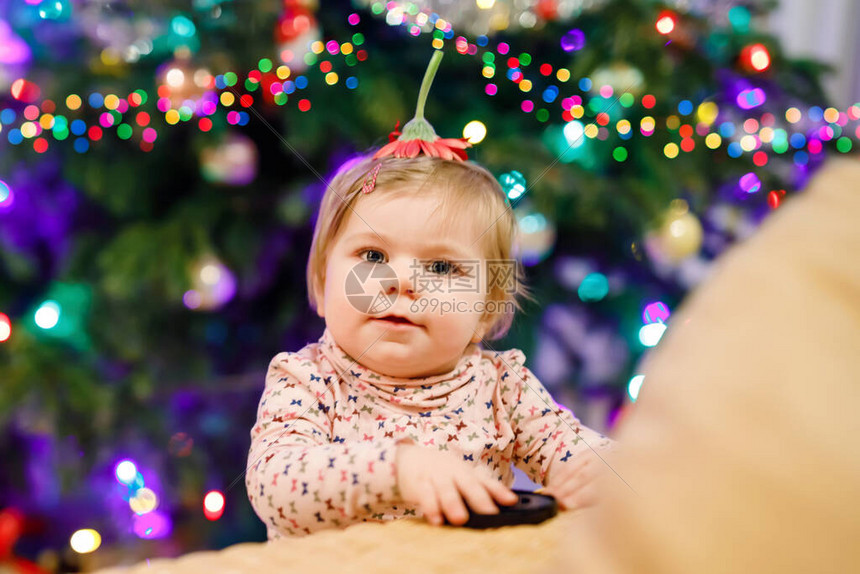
427, 82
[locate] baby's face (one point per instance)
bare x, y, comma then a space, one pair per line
421, 270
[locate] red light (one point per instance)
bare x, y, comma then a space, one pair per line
213, 505
5, 328
755, 58
666, 22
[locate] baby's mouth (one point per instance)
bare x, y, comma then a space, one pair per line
396, 320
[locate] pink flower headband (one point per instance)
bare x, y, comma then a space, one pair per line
418, 135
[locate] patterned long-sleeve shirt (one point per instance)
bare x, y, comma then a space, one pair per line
323, 447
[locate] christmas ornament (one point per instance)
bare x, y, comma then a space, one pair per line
679, 236
183, 83
231, 162
621, 77
536, 235
213, 285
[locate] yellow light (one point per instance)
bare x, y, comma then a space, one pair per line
673, 122
172, 117
488, 72
707, 112
111, 101
46, 121
475, 131
28, 129
317, 47
623, 127
85, 541
766, 135
441, 24
438, 43
563, 74
346, 49
526, 85
73, 102
143, 501
792, 115
577, 111
227, 99
647, 124
748, 143
831, 115
591, 131
331, 78
174, 77
109, 57
671, 150
485, 4
713, 141
283, 72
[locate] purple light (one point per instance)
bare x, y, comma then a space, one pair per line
153, 524
573, 40
750, 183
13, 50
749, 99
7, 197
656, 312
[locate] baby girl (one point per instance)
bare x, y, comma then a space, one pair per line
398, 409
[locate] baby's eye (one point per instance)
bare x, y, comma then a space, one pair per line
372, 255
443, 267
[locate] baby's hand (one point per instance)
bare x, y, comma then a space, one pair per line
438, 482
573, 484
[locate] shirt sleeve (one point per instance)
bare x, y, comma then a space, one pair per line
546, 433
299, 480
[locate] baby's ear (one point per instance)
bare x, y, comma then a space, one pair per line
319, 299
481, 329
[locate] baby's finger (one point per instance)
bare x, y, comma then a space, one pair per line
501, 493
451, 503
476, 494
430, 505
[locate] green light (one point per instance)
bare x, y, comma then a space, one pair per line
281, 98
594, 287
60, 135
620, 154
265, 65
230, 78
358, 38
377, 7
182, 26
489, 57
844, 144
740, 19
117, 117
780, 146
542, 115
251, 85
351, 60
626, 99
185, 113
143, 96
525, 59
310, 58
123, 131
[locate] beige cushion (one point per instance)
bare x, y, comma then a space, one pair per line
744, 446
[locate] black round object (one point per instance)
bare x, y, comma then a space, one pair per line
532, 508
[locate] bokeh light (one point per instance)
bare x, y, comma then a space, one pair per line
48, 315
213, 505
85, 541
5, 328
125, 472
655, 312
594, 287
650, 334
475, 131
143, 501
634, 385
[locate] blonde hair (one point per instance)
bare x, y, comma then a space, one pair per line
465, 188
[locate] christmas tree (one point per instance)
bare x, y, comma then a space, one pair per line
162, 164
